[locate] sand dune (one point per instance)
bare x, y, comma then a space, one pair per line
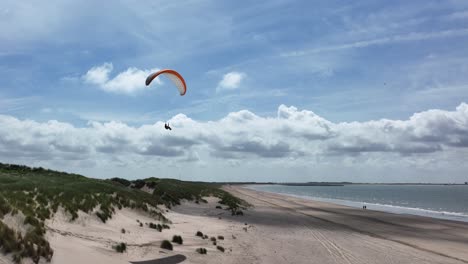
88, 240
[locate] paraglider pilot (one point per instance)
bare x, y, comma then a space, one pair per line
166, 126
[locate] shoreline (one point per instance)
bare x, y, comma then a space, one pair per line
387, 208
438, 237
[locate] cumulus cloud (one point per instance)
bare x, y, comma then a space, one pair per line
293, 136
231, 81
425, 132
127, 82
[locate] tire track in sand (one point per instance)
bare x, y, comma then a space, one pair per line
349, 227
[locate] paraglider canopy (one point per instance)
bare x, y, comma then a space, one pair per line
174, 76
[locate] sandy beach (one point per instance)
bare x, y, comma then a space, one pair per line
276, 229
294, 230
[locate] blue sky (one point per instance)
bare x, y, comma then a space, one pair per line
344, 61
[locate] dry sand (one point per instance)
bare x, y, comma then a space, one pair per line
277, 229
88, 240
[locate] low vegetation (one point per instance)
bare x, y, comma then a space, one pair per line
158, 227
220, 248
121, 247
177, 239
39, 193
166, 245
200, 234
171, 192
201, 250
31, 245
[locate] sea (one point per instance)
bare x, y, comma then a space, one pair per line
438, 201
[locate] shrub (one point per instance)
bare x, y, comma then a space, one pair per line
213, 238
166, 245
221, 237
138, 184
151, 184
123, 230
200, 234
236, 212
220, 248
158, 227
124, 182
141, 224
177, 239
219, 207
101, 216
121, 247
201, 250
205, 237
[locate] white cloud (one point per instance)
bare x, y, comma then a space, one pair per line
231, 81
292, 138
129, 82
9, 104
415, 36
458, 15
99, 74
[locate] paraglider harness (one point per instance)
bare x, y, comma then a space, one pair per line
166, 126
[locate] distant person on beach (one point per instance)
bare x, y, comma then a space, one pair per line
364, 207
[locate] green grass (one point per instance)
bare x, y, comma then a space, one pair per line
170, 192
